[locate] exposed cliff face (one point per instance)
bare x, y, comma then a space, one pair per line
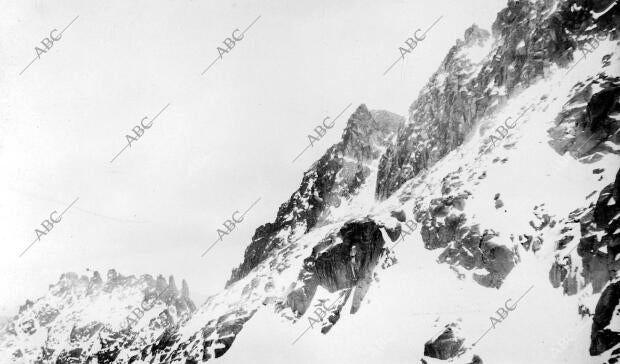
329, 184
344, 260
529, 38
453, 99
326, 249
588, 120
606, 335
596, 264
445, 226
600, 242
339, 174
338, 260
587, 128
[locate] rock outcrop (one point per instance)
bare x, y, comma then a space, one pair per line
66, 314
339, 173
604, 336
447, 345
343, 260
532, 36
445, 226
598, 247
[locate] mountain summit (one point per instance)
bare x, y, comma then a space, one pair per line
481, 227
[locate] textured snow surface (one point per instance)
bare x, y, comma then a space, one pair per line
411, 301
416, 298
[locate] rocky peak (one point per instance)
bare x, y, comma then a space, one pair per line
161, 282
25, 306
172, 287
528, 38
96, 278
64, 318
342, 261
454, 98
112, 275
475, 35
184, 289
366, 131
341, 171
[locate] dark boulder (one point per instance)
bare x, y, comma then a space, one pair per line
602, 337
447, 345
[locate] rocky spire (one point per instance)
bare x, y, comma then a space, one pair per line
184, 289
112, 275
172, 287
337, 175
161, 283
96, 278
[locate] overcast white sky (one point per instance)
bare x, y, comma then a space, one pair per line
226, 139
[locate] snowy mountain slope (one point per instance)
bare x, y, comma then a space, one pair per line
83, 319
528, 39
506, 171
533, 181
339, 174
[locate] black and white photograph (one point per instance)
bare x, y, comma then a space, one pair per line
310, 182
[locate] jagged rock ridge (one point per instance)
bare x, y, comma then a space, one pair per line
86, 319
338, 258
340, 172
